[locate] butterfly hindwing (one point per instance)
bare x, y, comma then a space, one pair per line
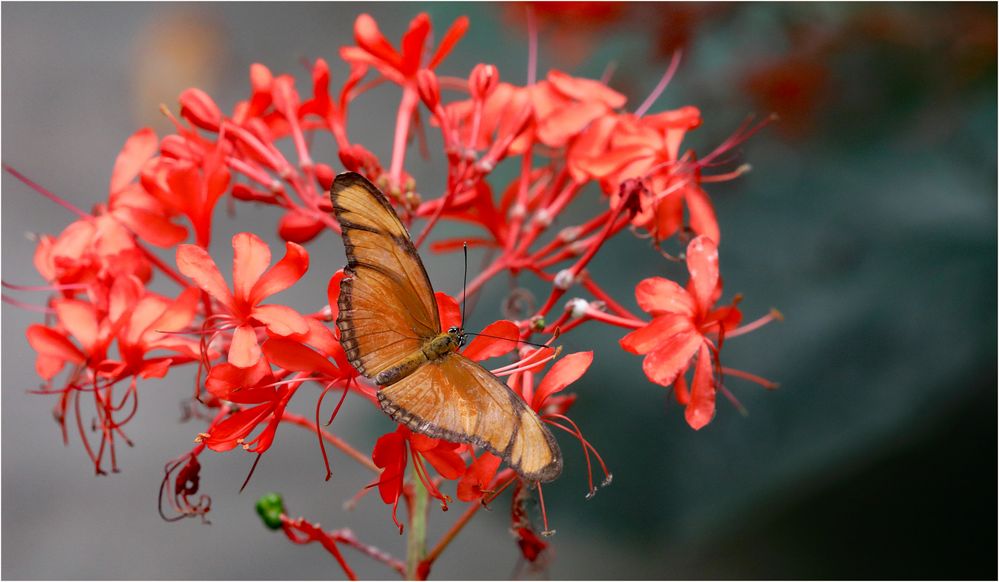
458, 400
387, 305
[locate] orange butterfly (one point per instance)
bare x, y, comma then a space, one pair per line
391, 331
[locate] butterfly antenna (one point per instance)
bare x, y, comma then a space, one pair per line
519, 341
464, 285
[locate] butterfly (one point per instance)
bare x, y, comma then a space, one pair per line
391, 332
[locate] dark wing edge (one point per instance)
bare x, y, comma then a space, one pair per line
427, 428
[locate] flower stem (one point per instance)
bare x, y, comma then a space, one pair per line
416, 542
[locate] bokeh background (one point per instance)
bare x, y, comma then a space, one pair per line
869, 220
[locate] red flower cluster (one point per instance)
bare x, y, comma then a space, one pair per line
254, 354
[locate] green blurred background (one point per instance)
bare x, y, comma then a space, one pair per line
869, 220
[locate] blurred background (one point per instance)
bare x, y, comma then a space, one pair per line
869, 220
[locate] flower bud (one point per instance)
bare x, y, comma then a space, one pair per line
198, 108
429, 89
482, 81
299, 226
270, 507
324, 175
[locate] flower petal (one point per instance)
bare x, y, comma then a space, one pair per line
563, 372
179, 314
701, 409
139, 147
196, 264
125, 293
657, 295
450, 38
413, 43
450, 312
478, 476
80, 320
333, 293
663, 364
702, 263
226, 434
284, 274
251, 258
291, 355
702, 213
151, 226
52, 344
280, 319
659, 330
447, 462
244, 351
504, 339
370, 38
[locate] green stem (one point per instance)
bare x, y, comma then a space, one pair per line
416, 542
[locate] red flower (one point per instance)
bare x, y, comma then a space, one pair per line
130, 203
614, 150
479, 476
254, 385
685, 323
373, 49
389, 454
252, 283
91, 252
190, 185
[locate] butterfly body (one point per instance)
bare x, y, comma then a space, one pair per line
433, 349
391, 332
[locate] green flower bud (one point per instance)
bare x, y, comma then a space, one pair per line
271, 507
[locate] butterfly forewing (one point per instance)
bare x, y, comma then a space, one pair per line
387, 306
458, 400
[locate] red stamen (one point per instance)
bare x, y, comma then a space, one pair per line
34, 186
661, 86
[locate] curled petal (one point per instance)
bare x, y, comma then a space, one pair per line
563, 372
333, 293
702, 263
284, 274
504, 335
701, 408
